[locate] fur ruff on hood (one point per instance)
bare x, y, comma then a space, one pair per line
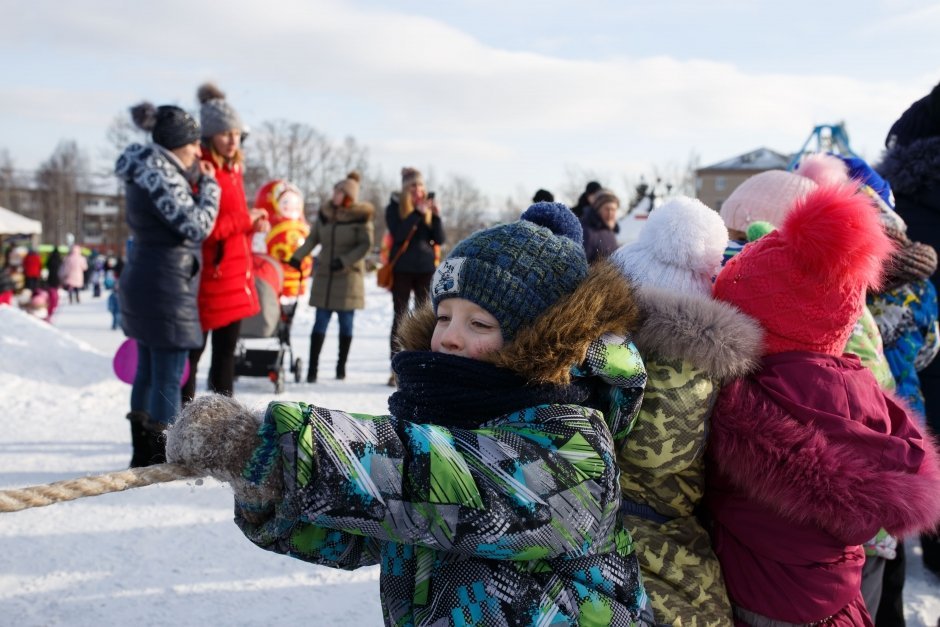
544, 351
912, 168
713, 336
810, 478
356, 212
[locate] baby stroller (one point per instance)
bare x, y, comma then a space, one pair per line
273, 321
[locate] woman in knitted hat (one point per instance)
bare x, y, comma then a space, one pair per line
490, 495
414, 220
227, 292
158, 285
600, 225
690, 345
809, 457
344, 229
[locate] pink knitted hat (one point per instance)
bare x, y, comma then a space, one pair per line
805, 282
767, 196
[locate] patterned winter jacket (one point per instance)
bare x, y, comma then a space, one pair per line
161, 279
907, 318
511, 522
690, 345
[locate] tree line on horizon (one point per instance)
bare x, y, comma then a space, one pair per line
312, 161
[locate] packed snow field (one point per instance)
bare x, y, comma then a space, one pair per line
169, 554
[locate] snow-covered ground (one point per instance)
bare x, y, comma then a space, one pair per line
169, 554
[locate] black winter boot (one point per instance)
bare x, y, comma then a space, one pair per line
140, 444
345, 341
316, 343
157, 444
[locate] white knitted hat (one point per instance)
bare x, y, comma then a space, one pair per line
768, 196
679, 249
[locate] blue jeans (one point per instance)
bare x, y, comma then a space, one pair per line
156, 388
322, 321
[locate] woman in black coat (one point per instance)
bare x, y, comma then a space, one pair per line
160, 281
412, 214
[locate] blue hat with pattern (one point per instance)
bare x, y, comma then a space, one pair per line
516, 271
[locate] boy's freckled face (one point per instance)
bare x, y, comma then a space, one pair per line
465, 329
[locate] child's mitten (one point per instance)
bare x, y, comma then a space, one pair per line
217, 435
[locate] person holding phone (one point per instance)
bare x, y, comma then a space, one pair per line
227, 292
413, 217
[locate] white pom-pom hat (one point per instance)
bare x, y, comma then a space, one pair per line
679, 249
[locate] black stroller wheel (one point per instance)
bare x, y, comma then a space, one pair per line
298, 365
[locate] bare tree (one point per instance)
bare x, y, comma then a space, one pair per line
8, 180
377, 190
687, 184
666, 180
299, 153
288, 150
576, 179
463, 207
510, 211
120, 134
59, 179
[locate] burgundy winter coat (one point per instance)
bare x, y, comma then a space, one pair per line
807, 459
227, 287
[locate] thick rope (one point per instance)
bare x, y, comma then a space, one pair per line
71, 489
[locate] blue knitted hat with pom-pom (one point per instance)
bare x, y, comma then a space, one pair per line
516, 271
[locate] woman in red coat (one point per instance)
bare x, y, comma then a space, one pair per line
226, 290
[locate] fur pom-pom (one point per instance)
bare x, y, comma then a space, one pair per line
354, 175
685, 232
144, 116
209, 91
838, 235
214, 433
557, 218
824, 169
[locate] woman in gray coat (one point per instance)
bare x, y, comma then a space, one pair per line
344, 228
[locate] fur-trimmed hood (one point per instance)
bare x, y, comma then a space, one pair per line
847, 462
544, 351
713, 336
356, 212
913, 168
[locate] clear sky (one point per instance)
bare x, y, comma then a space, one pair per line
514, 95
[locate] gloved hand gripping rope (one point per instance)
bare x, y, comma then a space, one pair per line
213, 436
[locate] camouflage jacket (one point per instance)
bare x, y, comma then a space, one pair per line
689, 345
